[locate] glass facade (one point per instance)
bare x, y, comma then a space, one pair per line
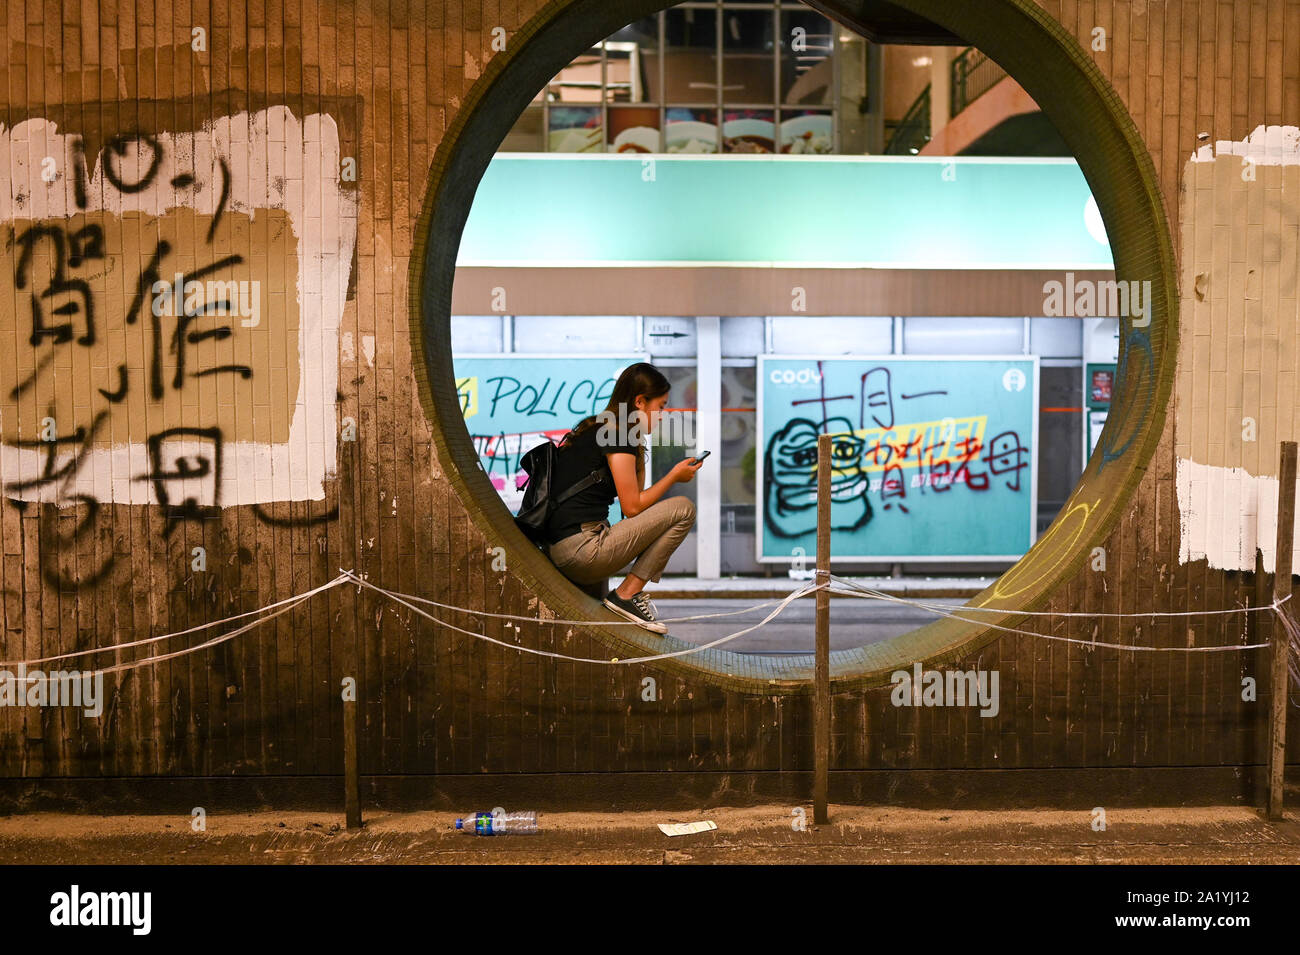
1057, 343
758, 78
696, 78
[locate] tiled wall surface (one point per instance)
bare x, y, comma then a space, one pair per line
164, 470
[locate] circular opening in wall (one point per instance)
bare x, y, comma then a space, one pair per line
1062, 79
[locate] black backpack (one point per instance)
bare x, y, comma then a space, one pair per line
539, 504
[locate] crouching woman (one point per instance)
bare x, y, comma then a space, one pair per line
584, 546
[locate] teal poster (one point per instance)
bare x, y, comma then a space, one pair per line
511, 403
932, 458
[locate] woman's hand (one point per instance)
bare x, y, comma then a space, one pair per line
632, 497
684, 471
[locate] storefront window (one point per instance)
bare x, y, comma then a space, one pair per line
576, 129
806, 43
579, 82
747, 51
738, 492
691, 130
696, 78
748, 131
632, 63
691, 55
664, 455
634, 129
807, 132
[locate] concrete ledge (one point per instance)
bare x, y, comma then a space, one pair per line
1076, 789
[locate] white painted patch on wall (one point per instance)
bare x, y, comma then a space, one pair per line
1225, 513
277, 162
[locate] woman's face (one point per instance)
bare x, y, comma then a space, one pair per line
650, 408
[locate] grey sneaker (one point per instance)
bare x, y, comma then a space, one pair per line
636, 609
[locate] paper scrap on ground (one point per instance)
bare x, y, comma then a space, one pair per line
685, 828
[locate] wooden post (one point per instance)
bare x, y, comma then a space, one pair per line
822, 672
349, 621
1281, 588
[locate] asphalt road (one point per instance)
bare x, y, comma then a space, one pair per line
854, 622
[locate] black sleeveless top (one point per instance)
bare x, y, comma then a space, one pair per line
573, 462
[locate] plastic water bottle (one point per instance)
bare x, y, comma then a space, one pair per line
503, 823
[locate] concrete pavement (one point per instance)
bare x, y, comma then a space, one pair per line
762, 834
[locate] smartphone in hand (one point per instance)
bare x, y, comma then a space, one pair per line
697, 460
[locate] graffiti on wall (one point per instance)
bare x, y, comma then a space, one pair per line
512, 404
930, 458
172, 314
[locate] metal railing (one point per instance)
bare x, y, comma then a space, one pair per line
973, 75
913, 130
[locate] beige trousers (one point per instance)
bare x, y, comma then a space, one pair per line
600, 549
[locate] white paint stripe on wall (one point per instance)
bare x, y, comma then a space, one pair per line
1266, 146
277, 162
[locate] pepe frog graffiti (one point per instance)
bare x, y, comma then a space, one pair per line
790, 478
